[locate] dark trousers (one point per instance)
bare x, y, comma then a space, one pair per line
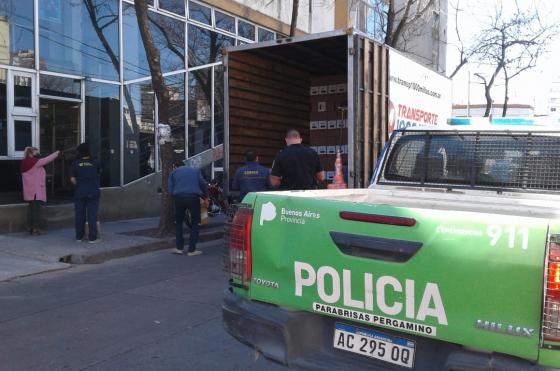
86, 206
182, 204
33, 214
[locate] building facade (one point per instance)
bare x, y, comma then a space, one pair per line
74, 71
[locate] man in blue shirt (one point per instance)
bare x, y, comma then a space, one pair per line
84, 174
187, 186
253, 177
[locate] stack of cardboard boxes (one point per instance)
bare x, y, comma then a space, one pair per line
328, 120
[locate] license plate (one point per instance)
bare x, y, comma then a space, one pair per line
374, 344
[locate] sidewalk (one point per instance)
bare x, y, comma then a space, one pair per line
24, 255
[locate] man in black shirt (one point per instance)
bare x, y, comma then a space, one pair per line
296, 167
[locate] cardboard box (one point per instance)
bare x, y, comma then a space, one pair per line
341, 88
313, 125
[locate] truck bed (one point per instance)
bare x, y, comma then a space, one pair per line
522, 204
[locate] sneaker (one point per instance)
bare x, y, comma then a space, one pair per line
95, 241
178, 251
194, 253
79, 240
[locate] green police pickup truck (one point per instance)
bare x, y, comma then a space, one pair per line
450, 260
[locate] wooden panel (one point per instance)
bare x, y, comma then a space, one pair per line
376, 113
383, 106
366, 108
288, 98
282, 114
265, 99
273, 69
279, 117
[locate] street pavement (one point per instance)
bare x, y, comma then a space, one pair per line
23, 255
155, 311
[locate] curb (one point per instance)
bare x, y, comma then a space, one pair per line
96, 257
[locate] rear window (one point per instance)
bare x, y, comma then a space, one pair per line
484, 160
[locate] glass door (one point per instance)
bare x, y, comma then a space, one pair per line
60, 130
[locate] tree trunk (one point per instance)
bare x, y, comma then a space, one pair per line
295, 7
390, 23
506, 92
162, 94
488, 100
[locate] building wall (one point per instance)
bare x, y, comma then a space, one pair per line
277, 14
478, 111
424, 41
554, 99
97, 62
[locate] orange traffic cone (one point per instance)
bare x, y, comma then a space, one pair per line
338, 180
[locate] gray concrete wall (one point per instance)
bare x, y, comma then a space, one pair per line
135, 200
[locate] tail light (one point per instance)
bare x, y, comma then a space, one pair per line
551, 309
240, 247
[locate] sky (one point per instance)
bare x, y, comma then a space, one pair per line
531, 87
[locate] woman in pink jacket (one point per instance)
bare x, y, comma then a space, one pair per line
33, 176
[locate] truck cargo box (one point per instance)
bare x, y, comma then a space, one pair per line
334, 88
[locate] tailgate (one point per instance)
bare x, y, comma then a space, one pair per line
469, 278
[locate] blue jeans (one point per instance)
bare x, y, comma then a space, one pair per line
182, 204
86, 205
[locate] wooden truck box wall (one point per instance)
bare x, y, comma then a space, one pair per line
371, 89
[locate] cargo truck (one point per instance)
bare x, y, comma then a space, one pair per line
450, 260
341, 90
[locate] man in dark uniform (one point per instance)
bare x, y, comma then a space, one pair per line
296, 167
253, 177
84, 174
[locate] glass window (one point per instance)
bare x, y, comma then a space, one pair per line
265, 35
200, 13
218, 105
176, 87
169, 38
246, 30
139, 131
60, 86
22, 129
80, 37
3, 114
200, 111
103, 129
225, 22
16, 33
206, 46
174, 6
22, 91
